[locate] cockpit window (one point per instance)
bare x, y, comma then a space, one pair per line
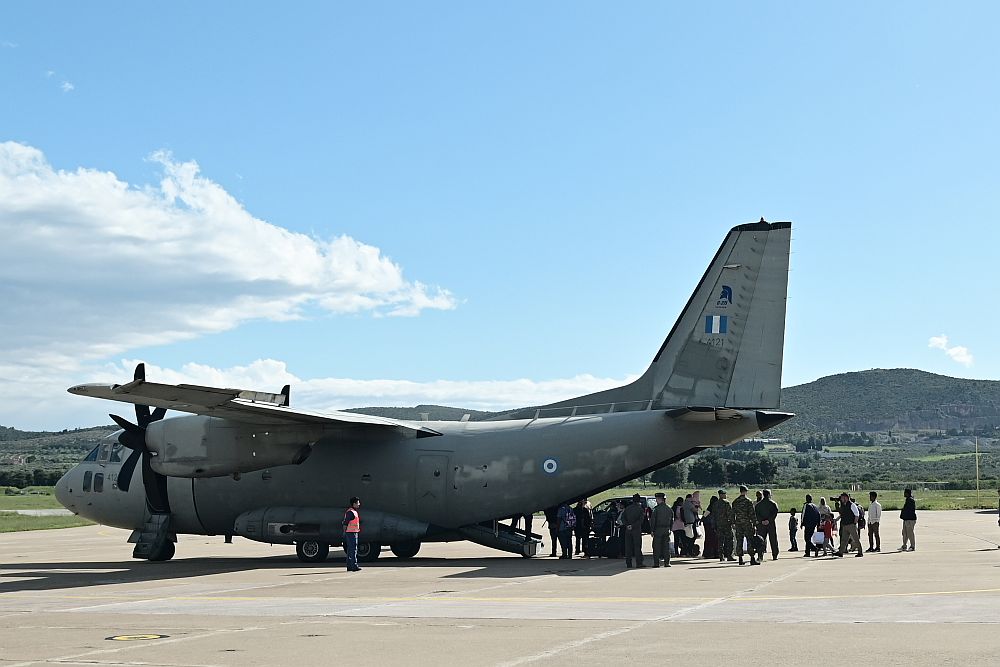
105, 452
87, 476
116, 453
92, 456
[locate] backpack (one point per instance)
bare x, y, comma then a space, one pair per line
570, 519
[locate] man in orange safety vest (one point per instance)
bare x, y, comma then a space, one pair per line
352, 529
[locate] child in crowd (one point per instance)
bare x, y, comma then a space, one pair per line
793, 529
826, 525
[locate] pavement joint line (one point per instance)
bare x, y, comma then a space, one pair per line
568, 646
76, 658
377, 600
975, 537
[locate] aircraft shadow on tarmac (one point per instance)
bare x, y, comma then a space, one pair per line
21, 577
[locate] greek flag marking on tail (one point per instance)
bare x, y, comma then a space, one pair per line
716, 324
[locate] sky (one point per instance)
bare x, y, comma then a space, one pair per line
484, 205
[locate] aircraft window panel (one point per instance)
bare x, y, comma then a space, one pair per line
116, 454
92, 456
87, 476
99, 482
105, 453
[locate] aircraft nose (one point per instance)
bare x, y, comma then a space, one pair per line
63, 490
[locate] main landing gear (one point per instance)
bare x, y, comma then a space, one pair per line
312, 552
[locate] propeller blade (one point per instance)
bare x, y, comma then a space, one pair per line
142, 415
158, 414
126, 424
125, 474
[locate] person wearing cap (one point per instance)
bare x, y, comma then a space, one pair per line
724, 526
632, 531
849, 514
745, 524
660, 524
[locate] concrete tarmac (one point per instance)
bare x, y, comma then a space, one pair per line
65, 594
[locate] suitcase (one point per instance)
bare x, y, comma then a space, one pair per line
594, 546
613, 547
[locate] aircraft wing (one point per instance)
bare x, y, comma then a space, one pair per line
236, 404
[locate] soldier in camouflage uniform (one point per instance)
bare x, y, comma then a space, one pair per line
745, 522
724, 526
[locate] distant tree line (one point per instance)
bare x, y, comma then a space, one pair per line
711, 470
21, 478
818, 442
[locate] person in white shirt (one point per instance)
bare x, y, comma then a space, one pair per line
874, 516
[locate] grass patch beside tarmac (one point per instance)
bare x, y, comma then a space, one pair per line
33, 498
11, 523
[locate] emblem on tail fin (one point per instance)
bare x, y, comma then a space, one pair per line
725, 298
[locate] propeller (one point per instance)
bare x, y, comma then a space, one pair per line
134, 438
134, 435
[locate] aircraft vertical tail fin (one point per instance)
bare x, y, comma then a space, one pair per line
726, 347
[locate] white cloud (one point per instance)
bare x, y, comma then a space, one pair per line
957, 353
59, 409
67, 86
91, 267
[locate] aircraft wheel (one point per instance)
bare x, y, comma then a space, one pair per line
312, 552
166, 552
405, 550
368, 552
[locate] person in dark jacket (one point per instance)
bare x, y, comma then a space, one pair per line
567, 521
810, 521
724, 526
909, 517
659, 525
584, 521
552, 521
711, 549
767, 515
850, 515
632, 518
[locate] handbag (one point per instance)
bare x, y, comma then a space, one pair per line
818, 538
689, 531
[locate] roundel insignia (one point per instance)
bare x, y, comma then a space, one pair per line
549, 466
135, 638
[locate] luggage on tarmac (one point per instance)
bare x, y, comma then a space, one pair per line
613, 547
594, 546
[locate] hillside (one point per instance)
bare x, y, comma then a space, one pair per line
889, 399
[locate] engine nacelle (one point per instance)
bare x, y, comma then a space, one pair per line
199, 446
287, 525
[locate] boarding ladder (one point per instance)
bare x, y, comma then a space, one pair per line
500, 536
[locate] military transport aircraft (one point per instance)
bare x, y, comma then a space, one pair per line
247, 463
